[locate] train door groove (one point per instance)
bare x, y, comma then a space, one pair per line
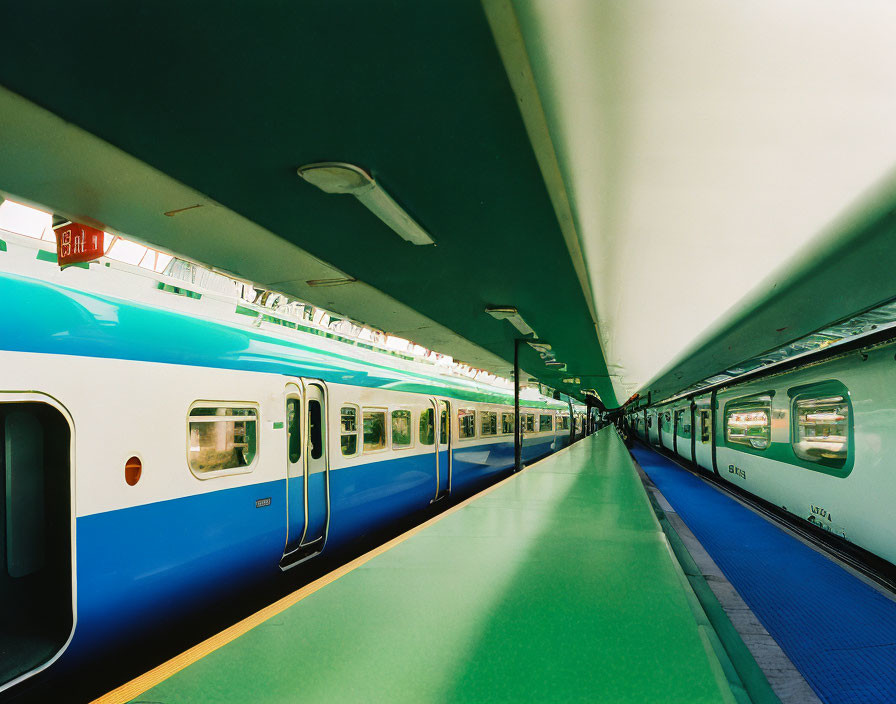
308, 506
443, 459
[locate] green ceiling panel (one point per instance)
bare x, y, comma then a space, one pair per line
230, 98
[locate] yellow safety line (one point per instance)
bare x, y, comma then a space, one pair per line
150, 679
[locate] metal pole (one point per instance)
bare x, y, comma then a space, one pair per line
517, 430
572, 422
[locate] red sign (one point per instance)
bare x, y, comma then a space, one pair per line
78, 243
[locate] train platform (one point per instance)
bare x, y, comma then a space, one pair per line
556, 584
838, 630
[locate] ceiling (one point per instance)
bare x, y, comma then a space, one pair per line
228, 99
662, 191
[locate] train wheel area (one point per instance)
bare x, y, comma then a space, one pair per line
836, 628
547, 595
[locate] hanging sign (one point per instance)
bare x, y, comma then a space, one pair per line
77, 243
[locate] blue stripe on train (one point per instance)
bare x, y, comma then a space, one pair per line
148, 565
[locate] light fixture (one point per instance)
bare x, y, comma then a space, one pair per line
512, 316
540, 347
318, 283
572, 380
561, 366
338, 177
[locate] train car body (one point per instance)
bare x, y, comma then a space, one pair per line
814, 440
155, 461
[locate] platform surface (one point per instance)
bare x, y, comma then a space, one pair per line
555, 585
838, 631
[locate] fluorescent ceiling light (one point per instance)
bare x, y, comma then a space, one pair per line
512, 316
337, 177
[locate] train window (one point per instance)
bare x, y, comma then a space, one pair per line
374, 430
401, 429
565, 422
315, 429
427, 427
488, 423
443, 424
293, 434
683, 423
348, 431
530, 422
507, 423
748, 422
545, 423
821, 428
222, 438
466, 423
705, 427
649, 421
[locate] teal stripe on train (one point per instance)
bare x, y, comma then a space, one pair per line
54, 319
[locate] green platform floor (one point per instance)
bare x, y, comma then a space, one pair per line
556, 585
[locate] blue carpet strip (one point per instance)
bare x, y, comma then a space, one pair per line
839, 632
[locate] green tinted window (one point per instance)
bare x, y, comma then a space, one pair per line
401, 429
427, 427
374, 430
466, 420
293, 435
348, 430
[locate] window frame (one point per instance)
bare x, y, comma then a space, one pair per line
229, 471
467, 413
420, 417
492, 415
541, 417
387, 425
818, 390
705, 414
504, 415
755, 400
358, 432
410, 444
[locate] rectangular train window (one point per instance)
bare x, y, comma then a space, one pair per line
293, 432
530, 422
507, 423
705, 432
466, 423
374, 430
348, 430
748, 422
427, 427
683, 423
821, 424
565, 422
222, 438
488, 423
401, 429
545, 423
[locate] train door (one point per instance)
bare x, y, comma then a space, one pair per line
35, 533
307, 471
316, 467
443, 458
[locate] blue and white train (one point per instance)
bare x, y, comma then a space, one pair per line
154, 460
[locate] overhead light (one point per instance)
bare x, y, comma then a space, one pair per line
572, 380
512, 316
338, 177
561, 366
329, 282
540, 347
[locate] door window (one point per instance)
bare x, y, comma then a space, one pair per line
293, 434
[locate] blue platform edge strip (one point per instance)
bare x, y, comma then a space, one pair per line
839, 632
